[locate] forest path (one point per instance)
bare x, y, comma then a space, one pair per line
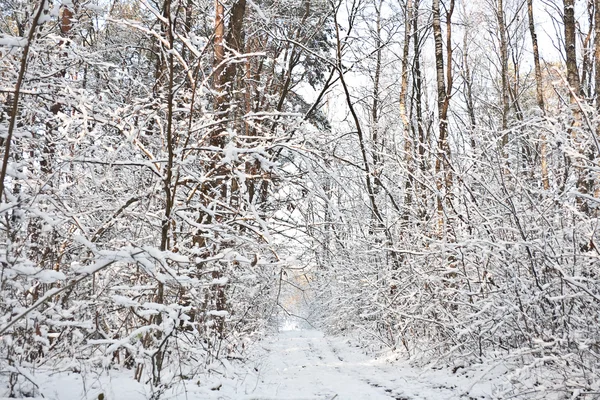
305, 364
289, 365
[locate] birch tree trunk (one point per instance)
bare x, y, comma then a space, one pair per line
444, 87
406, 124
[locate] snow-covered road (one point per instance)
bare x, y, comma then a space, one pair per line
295, 364
307, 365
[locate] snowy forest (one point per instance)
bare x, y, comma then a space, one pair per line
181, 178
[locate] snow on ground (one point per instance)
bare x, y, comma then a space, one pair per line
304, 364
292, 365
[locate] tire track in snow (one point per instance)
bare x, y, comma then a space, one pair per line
305, 365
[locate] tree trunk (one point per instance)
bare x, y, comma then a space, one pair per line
571, 48
597, 74
224, 81
536, 58
468, 89
408, 145
575, 91
597, 58
418, 88
444, 86
216, 138
375, 139
66, 20
503, 71
587, 62
539, 93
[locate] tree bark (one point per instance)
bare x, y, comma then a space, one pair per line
571, 48
418, 88
536, 58
66, 20
503, 71
406, 125
375, 139
216, 138
224, 81
597, 75
444, 87
539, 93
468, 89
597, 58
587, 61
